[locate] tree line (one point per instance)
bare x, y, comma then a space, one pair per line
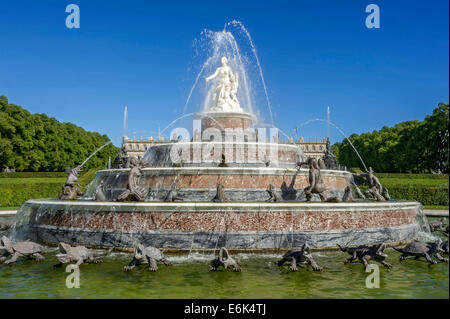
36, 142
408, 147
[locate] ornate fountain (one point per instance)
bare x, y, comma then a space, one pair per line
229, 186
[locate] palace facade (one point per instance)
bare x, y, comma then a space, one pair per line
137, 147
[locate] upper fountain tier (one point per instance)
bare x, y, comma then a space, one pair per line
225, 93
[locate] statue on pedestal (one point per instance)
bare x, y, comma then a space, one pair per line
70, 189
376, 190
225, 94
122, 160
134, 191
316, 184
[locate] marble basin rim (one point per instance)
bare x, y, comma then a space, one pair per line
204, 226
229, 171
360, 205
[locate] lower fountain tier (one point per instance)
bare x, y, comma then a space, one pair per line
187, 226
200, 184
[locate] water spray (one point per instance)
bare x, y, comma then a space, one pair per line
342, 132
87, 159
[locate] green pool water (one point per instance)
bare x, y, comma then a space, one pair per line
189, 277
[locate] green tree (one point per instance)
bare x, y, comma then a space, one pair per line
35, 142
410, 146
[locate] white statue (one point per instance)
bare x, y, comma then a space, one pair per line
225, 94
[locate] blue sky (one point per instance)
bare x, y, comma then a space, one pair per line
139, 53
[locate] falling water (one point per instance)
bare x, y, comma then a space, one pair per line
87, 159
424, 232
125, 119
229, 42
195, 83
328, 122
244, 29
222, 44
340, 131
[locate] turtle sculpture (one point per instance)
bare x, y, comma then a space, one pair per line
420, 249
444, 247
78, 254
363, 253
437, 225
299, 256
147, 255
26, 249
4, 225
224, 259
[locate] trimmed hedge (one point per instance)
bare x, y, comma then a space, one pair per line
34, 175
16, 194
398, 182
425, 195
40, 174
412, 176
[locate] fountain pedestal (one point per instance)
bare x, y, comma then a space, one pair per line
226, 120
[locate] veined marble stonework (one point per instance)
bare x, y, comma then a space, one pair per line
241, 184
232, 220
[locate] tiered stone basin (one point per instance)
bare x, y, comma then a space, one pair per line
199, 184
244, 222
236, 225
